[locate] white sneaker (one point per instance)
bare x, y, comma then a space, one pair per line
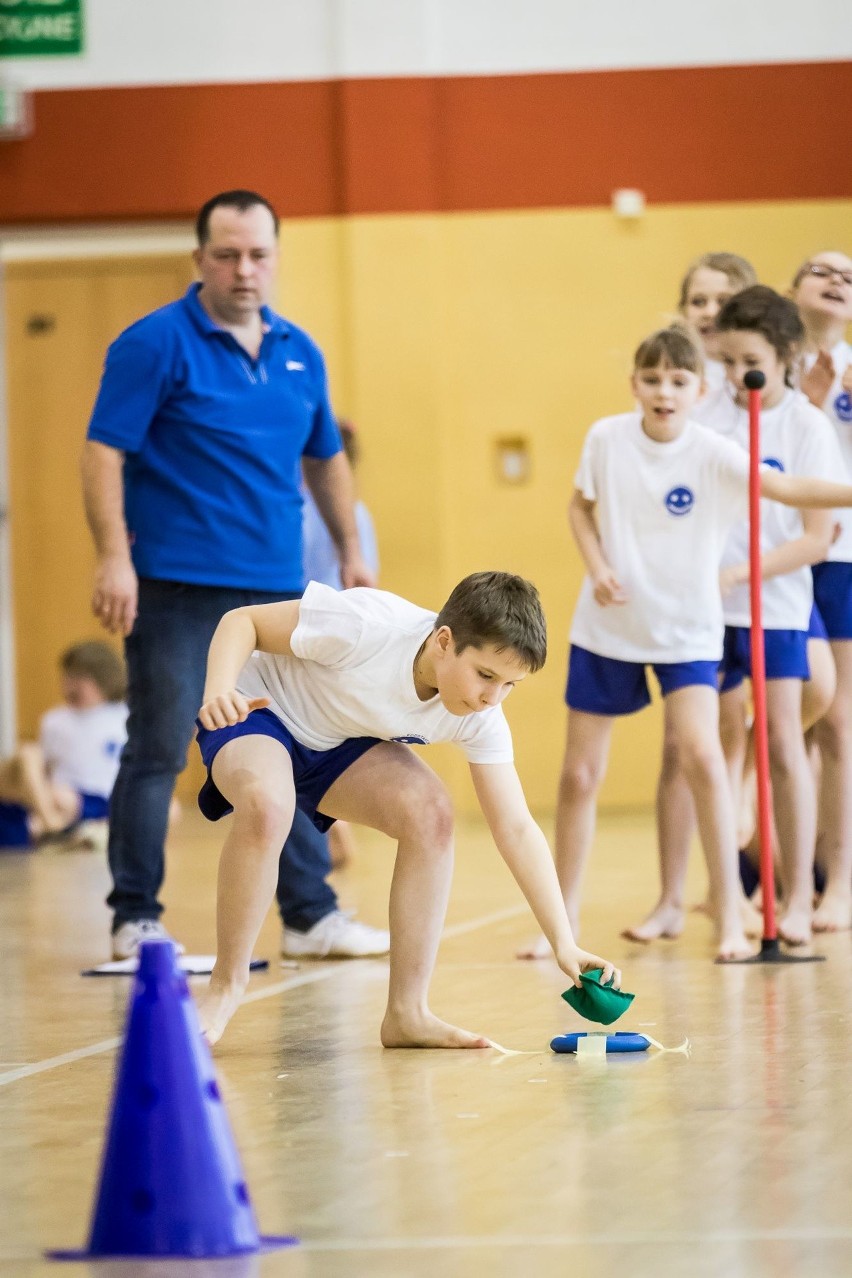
91, 836
128, 938
337, 935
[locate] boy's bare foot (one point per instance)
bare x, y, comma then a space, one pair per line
663, 921
733, 945
751, 918
422, 1029
795, 927
833, 914
216, 1006
538, 949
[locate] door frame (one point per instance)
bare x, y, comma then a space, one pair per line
37, 244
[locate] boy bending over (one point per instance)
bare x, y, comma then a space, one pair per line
316, 703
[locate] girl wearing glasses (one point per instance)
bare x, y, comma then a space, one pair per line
822, 290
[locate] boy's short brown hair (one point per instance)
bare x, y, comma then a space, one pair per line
673, 346
100, 663
501, 609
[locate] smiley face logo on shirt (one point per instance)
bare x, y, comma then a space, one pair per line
680, 500
843, 406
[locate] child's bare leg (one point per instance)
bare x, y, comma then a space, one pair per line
583, 767
834, 735
794, 801
341, 844
675, 826
733, 735
24, 780
819, 691
737, 747
255, 775
693, 714
391, 790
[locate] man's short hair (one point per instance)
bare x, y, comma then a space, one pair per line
500, 609
240, 200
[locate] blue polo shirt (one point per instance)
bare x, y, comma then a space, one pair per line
213, 441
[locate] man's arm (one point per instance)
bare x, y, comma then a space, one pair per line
330, 482
524, 849
264, 627
116, 591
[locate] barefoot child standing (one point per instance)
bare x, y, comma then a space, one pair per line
323, 716
822, 290
655, 499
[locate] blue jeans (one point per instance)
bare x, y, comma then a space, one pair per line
166, 663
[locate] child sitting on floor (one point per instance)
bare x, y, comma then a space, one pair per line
63, 783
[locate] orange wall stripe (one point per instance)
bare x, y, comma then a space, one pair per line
424, 144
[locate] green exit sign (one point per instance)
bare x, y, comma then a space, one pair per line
40, 28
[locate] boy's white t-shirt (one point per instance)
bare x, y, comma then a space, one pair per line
351, 675
663, 512
795, 438
82, 748
838, 410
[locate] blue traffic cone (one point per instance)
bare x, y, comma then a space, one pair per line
171, 1183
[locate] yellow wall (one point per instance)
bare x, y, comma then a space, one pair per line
445, 332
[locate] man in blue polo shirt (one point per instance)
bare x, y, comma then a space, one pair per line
208, 411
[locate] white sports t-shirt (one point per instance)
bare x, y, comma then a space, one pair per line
714, 376
838, 410
352, 676
796, 438
663, 512
82, 748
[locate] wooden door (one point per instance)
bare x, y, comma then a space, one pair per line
60, 318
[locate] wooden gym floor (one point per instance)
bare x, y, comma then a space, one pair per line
733, 1162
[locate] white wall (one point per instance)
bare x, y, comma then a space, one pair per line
197, 41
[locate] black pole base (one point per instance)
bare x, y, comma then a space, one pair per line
771, 952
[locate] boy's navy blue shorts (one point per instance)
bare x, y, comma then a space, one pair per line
816, 625
314, 771
833, 597
605, 685
785, 655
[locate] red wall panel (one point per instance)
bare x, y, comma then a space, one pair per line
449, 143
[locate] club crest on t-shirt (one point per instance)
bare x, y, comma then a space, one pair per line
773, 462
680, 500
413, 739
843, 406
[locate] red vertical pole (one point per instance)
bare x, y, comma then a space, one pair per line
758, 677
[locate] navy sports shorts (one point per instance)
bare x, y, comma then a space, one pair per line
785, 655
816, 625
833, 597
605, 685
314, 771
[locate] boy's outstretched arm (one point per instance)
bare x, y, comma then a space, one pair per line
803, 490
267, 627
524, 849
